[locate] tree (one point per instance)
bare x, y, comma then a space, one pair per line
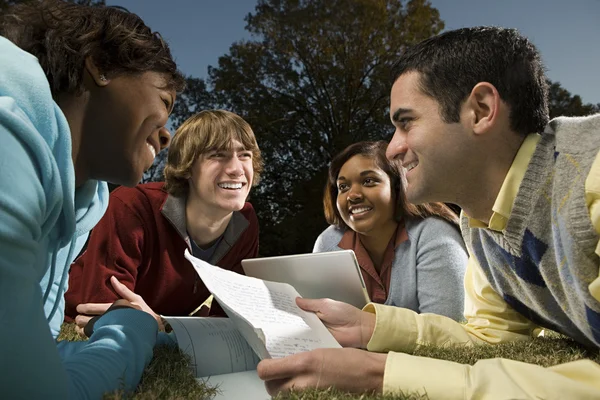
562, 103
4, 4
314, 79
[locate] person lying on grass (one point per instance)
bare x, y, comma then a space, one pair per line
409, 256
470, 111
212, 164
85, 93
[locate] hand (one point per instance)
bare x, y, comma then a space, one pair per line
350, 326
88, 310
349, 370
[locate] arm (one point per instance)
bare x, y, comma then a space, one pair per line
124, 343
489, 320
115, 248
441, 260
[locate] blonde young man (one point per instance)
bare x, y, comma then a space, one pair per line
471, 117
213, 162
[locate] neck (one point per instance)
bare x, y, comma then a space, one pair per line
203, 224
377, 244
73, 108
482, 187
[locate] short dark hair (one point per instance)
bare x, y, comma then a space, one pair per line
393, 169
452, 63
62, 35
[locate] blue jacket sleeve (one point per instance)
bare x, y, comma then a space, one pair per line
30, 364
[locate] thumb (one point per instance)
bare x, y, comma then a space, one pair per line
313, 305
122, 290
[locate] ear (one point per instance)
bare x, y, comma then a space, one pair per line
99, 78
483, 105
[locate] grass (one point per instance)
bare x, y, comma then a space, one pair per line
168, 375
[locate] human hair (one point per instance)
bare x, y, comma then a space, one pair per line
207, 131
402, 210
63, 35
452, 63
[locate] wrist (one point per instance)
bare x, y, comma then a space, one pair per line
376, 371
367, 326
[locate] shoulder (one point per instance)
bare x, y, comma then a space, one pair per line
431, 228
329, 239
148, 192
144, 200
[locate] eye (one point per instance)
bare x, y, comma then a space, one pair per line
403, 122
167, 104
370, 181
246, 154
342, 187
216, 155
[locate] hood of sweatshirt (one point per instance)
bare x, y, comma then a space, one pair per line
26, 102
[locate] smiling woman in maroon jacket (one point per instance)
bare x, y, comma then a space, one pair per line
213, 162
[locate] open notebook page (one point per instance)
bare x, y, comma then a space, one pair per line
268, 307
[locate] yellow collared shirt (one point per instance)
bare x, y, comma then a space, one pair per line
490, 320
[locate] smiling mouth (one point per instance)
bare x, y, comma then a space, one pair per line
360, 210
152, 149
231, 185
411, 165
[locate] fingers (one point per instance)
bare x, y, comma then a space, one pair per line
312, 305
82, 320
277, 386
93, 308
123, 290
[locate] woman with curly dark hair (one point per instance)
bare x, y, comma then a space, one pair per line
411, 256
85, 93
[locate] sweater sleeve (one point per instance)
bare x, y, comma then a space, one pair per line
116, 247
123, 346
441, 262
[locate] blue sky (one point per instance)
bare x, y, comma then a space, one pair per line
567, 33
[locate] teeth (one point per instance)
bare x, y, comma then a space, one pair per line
360, 209
412, 165
230, 185
151, 148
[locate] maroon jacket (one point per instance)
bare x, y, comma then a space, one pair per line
141, 241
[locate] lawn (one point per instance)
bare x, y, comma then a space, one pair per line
168, 375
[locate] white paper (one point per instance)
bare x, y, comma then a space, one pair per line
267, 306
214, 345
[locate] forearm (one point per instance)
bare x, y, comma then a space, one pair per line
400, 329
115, 356
492, 379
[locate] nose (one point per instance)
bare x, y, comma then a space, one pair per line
354, 195
164, 137
234, 167
397, 146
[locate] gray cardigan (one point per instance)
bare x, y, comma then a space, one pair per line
428, 268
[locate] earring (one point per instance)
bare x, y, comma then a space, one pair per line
103, 78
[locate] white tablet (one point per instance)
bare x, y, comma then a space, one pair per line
334, 274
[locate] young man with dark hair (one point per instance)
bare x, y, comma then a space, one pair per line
470, 111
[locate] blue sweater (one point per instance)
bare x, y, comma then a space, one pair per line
428, 269
44, 221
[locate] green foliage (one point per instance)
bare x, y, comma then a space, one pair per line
4, 4
314, 79
562, 103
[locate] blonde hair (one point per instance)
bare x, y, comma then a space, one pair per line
207, 131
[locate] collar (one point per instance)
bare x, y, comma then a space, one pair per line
508, 191
173, 210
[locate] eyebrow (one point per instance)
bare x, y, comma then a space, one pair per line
399, 112
363, 173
